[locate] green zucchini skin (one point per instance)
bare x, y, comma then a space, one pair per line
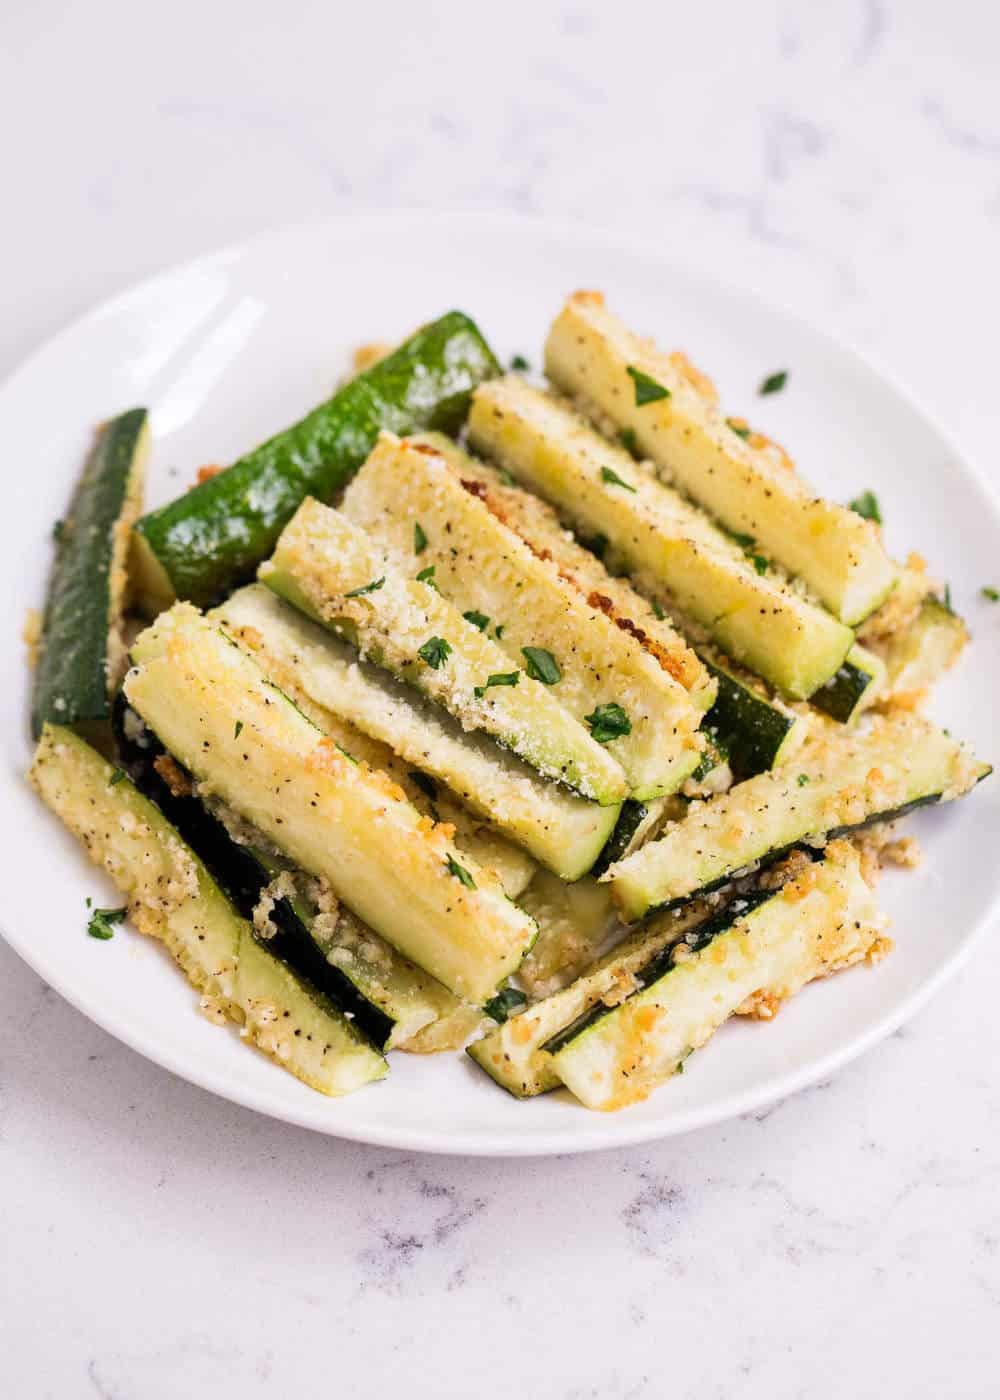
82, 610
630, 818
243, 878
662, 962
851, 689
752, 731
212, 538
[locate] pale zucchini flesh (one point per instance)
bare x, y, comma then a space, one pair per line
575, 924
667, 543
243, 739
514, 1054
768, 944
560, 829
172, 897
838, 781
486, 846
321, 558
919, 656
485, 568
750, 489
289, 1021
539, 525
386, 996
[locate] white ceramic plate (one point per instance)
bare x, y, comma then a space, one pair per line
230, 348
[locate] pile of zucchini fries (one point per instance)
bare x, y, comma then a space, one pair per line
467, 709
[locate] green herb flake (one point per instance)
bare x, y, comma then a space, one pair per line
419, 538
613, 479
101, 921
629, 441
608, 722
477, 619
372, 587
946, 600
992, 595
542, 665
460, 873
774, 383
435, 651
866, 505
427, 576
505, 477
498, 630
802, 779
742, 430
57, 530
519, 362
424, 782
759, 562
498, 1008
646, 389
658, 612
498, 678
116, 777
238, 730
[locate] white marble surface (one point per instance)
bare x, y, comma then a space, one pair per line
843, 158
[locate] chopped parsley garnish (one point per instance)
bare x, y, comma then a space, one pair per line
519, 362
435, 651
238, 730
498, 630
628, 440
946, 600
749, 547
608, 722
498, 1008
612, 477
646, 389
774, 383
372, 587
506, 477
658, 612
101, 920
424, 782
866, 505
542, 665
802, 779
742, 430
57, 531
427, 576
116, 777
992, 595
460, 873
419, 538
477, 619
498, 678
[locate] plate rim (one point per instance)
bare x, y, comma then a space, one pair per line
499, 1144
